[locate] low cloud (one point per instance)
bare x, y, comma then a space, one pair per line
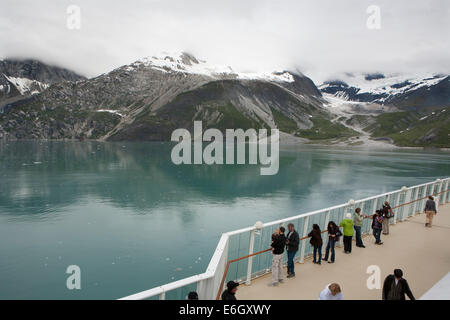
319, 38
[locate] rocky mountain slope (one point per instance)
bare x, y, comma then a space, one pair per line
22, 78
150, 98
401, 109
410, 92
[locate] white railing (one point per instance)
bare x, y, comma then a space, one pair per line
241, 243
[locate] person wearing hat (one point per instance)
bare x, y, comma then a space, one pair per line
230, 292
387, 213
347, 224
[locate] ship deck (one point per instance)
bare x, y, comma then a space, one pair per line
422, 253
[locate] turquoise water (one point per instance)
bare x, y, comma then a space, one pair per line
132, 220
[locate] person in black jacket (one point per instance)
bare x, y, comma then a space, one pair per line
430, 211
395, 287
333, 238
316, 242
230, 293
278, 243
292, 242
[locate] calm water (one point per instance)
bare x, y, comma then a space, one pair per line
132, 220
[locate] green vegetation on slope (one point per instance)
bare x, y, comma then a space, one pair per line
283, 123
412, 129
231, 118
324, 129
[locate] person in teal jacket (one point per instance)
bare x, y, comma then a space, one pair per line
347, 224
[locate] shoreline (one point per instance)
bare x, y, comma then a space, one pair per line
286, 140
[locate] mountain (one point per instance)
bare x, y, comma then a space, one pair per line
401, 109
404, 91
151, 97
23, 78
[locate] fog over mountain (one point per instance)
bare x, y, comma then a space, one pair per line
319, 38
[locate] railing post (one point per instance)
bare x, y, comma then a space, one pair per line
439, 189
305, 232
251, 247
444, 195
406, 208
433, 188
398, 198
162, 296
327, 219
417, 204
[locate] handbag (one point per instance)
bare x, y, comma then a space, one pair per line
338, 235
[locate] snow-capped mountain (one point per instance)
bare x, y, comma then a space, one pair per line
186, 63
151, 97
400, 90
22, 78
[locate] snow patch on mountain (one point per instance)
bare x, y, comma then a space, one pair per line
27, 86
391, 84
111, 111
341, 105
186, 63
383, 86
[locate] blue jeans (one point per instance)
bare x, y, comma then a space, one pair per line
377, 235
319, 250
330, 245
359, 241
290, 261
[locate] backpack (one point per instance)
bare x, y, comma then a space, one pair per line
387, 212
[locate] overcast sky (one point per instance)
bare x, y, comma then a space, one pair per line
318, 37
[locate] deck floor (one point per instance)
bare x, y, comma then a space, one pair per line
422, 253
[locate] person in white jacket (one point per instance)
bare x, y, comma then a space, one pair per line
331, 292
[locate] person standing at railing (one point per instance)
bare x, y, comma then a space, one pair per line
278, 244
347, 224
333, 237
316, 242
358, 220
430, 211
387, 215
292, 242
377, 226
